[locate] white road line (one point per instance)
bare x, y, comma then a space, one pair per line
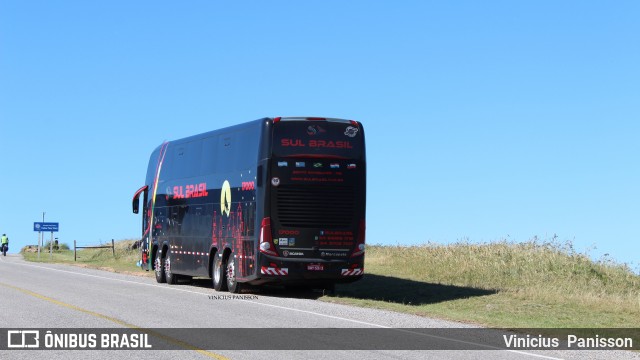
291, 309
108, 278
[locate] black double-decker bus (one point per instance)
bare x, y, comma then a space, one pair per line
275, 200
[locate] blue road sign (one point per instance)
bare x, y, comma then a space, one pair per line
45, 226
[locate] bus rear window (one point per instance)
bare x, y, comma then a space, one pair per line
317, 138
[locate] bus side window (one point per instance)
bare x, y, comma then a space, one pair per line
246, 157
225, 154
175, 219
209, 149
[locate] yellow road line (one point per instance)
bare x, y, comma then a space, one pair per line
119, 322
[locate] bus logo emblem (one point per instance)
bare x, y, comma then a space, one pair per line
225, 198
315, 129
275, 181
351, 131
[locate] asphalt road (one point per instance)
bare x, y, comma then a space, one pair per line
58, 296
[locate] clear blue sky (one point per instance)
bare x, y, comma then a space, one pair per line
486, 120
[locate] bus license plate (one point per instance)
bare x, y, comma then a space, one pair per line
315, 267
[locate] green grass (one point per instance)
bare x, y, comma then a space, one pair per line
501, 284
124, 260
525, 285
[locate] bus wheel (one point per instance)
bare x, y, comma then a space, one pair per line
158, 267
232, 281
170, 276
219, 274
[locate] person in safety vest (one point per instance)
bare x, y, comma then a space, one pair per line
4, 244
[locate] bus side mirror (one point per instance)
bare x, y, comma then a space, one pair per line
259, 183
136, 198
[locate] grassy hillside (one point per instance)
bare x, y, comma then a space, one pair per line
529, 284
500, 284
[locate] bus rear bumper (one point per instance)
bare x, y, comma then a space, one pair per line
309, 271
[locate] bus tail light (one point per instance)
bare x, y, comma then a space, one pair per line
266, 240
359, 250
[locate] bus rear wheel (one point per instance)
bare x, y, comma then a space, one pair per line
158, 267
219, 274
172, 278
232, 282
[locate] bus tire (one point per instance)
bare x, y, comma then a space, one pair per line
158, 267
232, 282
172, 278
219, 275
